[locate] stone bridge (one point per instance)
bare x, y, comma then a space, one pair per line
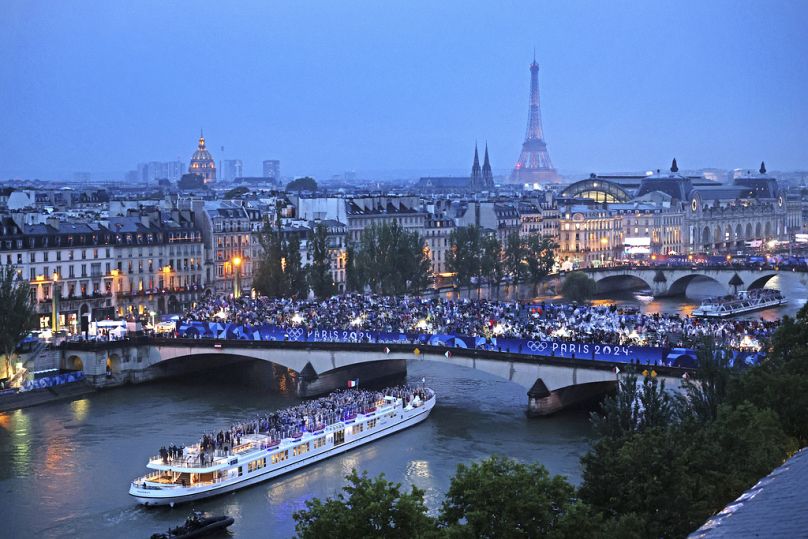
552, 383
674, 281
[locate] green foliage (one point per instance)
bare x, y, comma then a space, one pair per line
236, 192
302, 184
540, 258
515, 265
279, 271
464, 257
389, 260
372, 508
500, 497
320, 269
781, 382
578, 286
636, 407
16, 311
191, 181
492, 263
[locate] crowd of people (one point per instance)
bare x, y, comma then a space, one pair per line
308, 416
561, 322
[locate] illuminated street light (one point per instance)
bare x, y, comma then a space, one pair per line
236, 277
55, 305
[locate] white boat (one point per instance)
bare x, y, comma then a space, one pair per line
744, 302
195, 475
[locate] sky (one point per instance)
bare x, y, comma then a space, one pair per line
400, 88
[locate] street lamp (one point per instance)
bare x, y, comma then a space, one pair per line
237, 277
152, 314
55, 305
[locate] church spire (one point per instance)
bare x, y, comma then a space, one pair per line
476, 173
488, 176
674, 166
762, 167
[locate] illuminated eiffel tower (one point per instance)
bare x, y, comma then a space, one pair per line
534, 163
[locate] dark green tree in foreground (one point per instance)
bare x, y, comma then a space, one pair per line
16, 312
578, 286
500, 497
367, 508
540, 258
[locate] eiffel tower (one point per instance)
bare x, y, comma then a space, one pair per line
534, 163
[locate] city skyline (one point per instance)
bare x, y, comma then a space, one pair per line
395, 89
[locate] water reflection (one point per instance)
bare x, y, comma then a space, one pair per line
80, 409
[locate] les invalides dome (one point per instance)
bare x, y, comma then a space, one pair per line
202, 162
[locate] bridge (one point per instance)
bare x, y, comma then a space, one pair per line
673, 281
552, 383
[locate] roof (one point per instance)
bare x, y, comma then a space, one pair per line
774, 507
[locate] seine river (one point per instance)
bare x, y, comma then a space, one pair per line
65, 467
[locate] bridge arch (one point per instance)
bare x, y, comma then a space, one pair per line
679, 286
760, 282
620, 282
113, 363
74, 363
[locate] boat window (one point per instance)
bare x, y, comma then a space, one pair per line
371, 423
339, 437
280, 456
300, 449
358, 428
240, 470
256, 464
319, 442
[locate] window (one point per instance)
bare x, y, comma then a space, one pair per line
319, 442
300, 449
339, 437
358, 428
256, 464
371, 423
280, 456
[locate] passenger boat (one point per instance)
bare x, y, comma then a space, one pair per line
258, 457
744, 302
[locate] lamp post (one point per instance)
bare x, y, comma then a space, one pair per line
152, 314
55, 305
237, 277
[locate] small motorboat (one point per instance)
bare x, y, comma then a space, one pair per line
196, 525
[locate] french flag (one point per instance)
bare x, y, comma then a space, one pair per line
353, 383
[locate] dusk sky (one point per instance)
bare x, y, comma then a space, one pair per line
400, 87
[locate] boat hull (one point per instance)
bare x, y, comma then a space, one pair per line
177, 495
727, 314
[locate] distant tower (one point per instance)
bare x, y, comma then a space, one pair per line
488, 176
202, 163
534, 163
476, 172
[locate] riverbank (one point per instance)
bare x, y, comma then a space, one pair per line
26, 399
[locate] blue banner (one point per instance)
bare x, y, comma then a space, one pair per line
51, 381
549, 348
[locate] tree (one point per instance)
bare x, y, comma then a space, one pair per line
268, 279
302, 184
295, 282
236, 192
540, 258
492, 266
367, 508
514, 257
191, 181
635, 407
390, 260
320, 269
500, 497
354, 276
463, 257
16, 312
578, 286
